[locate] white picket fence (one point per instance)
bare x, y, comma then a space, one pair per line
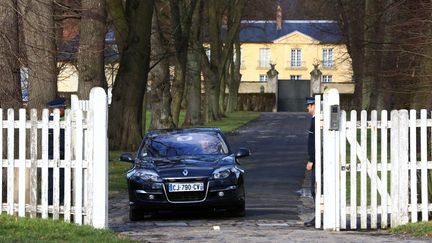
24, 188
375, 170
76, 103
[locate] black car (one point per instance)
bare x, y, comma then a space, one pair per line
181, 168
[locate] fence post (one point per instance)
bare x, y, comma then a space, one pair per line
403, 167
99, 109
22, 165
394, 146
318, 162
11, 161
74, 102
331, 165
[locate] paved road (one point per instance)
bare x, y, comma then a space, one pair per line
276, 169
275, 210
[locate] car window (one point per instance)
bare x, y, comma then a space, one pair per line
185, 144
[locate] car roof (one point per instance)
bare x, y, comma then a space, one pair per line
184, 130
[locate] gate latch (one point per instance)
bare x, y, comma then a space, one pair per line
345, 168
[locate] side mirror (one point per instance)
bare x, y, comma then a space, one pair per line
242, 152
127, 157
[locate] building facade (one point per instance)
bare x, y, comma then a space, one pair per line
294, 47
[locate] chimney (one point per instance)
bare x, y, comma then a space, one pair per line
278, 17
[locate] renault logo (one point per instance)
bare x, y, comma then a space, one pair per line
185, 172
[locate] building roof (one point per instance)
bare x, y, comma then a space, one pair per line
258, 31
68, 50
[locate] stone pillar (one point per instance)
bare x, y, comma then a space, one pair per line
272, 84
315, 80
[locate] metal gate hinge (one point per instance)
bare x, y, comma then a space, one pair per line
345, 168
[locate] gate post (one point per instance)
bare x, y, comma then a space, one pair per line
99, 110
331, 161
318, 162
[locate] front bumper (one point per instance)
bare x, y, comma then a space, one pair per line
227, 193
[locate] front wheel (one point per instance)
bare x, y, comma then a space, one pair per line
135, 215
238, 211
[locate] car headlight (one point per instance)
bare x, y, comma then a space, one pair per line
148, 175
223, 172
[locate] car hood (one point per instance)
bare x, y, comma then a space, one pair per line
197, 166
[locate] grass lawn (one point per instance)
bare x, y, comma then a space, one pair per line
421, 229
117, 169
14, 229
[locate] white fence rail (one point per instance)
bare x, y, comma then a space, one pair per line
26, 170
381, 168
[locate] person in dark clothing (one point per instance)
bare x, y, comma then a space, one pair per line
58, 103
310, 105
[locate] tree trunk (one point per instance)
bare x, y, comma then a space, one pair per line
181, 18
160, 97
384, 94
216, 67
10, 92
125, 130
351, 21
223, 85
372, 57
118, 19
91, 65
193, 111
422, 90
234, 81
220, 52
193, 75
178, 86
39, 45
211, 96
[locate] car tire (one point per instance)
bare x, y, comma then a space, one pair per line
135, 215
238, 211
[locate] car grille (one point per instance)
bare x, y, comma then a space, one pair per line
186, 196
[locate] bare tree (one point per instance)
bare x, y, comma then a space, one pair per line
221, 51
193, 75
125, 129
117, 16
37, 23
159, 96
181, 18
10, 89
234, 79
91, 67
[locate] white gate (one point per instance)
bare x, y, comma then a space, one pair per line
376, 170
26, 168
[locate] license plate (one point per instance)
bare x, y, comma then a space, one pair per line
185, 187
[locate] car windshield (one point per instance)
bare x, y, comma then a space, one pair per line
184, 144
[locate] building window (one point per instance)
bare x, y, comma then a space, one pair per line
296, 57
295, 77
328, 57
264, 57
263, 78
327, 78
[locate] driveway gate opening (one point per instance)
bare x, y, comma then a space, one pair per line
291, 95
